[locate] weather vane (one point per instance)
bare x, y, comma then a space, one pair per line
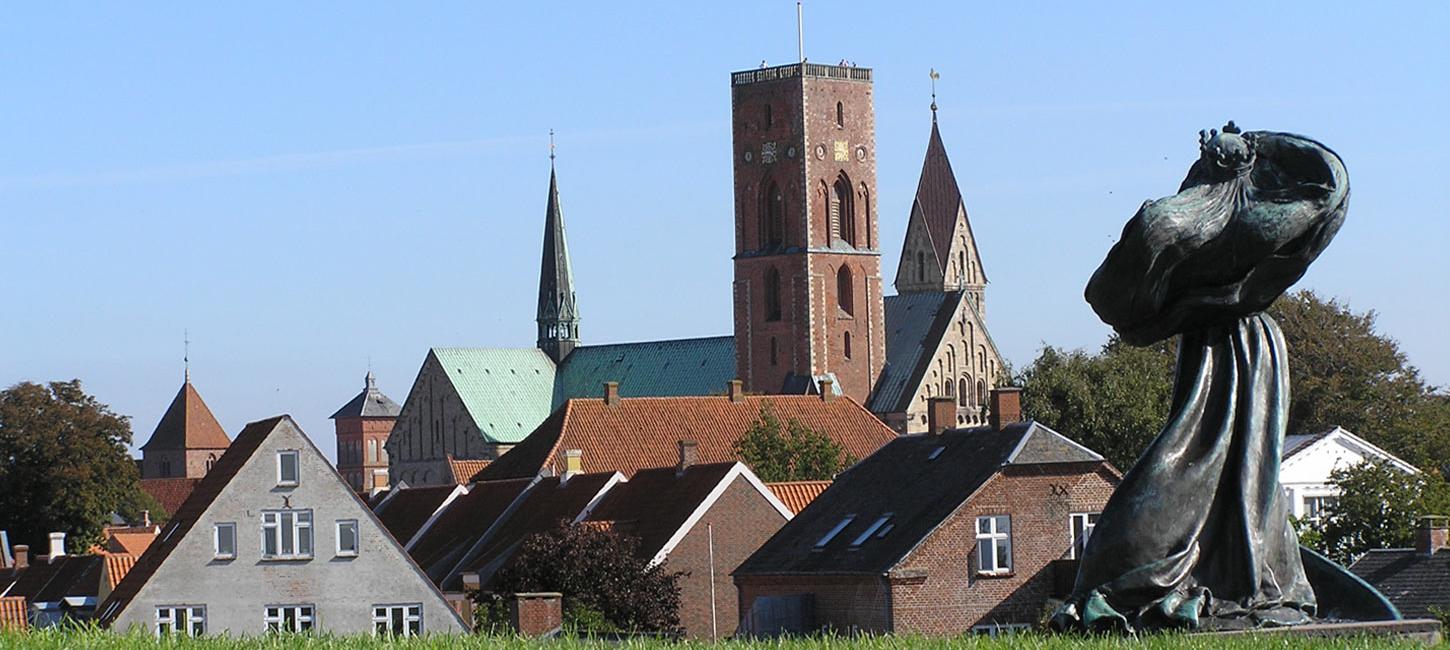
551, 146
934, 76
186, 354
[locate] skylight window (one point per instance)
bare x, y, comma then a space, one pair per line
835, 531
936, 452
871, 530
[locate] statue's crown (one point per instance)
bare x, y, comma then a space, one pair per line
1228, 150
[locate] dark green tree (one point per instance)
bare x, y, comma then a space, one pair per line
789, 451
64, 465
607, 586
1379, 506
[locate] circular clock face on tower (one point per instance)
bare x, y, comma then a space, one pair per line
861, 153
749, 155
820, 152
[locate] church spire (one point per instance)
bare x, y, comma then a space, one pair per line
558, 317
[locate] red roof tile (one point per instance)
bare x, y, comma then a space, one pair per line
406, 510
117, 566
642, 432
132, 541
547, 503
12, 613
169, 492
796, 495
188, 424
465, 469
656, 502
462, 524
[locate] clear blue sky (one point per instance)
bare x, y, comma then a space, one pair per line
307, 186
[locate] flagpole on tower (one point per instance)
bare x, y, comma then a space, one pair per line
800, 33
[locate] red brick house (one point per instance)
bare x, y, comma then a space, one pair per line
935, 534
627, 434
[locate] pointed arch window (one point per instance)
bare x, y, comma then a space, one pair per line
920, 266
772, 222
843, 210
845, 290
962, 392
846, 345
772, 294
840, 115
962, 267
866, 213
981, 390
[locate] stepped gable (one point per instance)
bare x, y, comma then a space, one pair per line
187, 424
642, 432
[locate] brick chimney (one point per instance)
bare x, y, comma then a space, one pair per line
941, 414
1432, 535
611, 393
22, 556
689, 454
573, 464
736, 390
57, 546
828, 391
1006, 406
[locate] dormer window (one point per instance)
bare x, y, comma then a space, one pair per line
935, 452
830, 535
287, 467
871, 530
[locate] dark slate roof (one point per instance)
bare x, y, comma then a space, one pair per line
656, 502
671, 368
66, 577
913, 321
370, 403
405, 510
938, 198
185, 517
1411, 580
918, 493
187, 424
643, 432
462, 524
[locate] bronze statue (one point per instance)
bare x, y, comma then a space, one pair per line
1198, 534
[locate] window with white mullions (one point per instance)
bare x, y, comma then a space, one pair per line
185, 620
286, 534
398, 620
289, 618
1082, 528
994, 544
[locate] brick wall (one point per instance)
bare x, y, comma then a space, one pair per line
740, 520
842, 603
1040, 499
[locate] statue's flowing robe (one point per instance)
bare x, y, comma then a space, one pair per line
1199, 526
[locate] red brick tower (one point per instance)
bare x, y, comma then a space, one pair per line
363, 425
807, 255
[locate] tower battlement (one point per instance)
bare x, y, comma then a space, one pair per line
808, 70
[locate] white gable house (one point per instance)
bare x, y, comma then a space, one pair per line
1310, 458
274, 541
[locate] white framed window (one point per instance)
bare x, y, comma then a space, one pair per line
224, 541
185, 620
287, 470
1316, 508
832, 533
994, 544
289, 618
347, 542
286, 534
1081, 524
398, 620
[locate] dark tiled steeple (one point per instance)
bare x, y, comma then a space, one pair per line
558, 317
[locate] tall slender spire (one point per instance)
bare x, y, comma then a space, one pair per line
558, 316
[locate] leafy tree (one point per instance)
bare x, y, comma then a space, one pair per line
64, 464
606, 585
791, 451
1379, 507
1342, 373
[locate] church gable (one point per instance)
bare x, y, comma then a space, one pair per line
227, 560
918, 269
957, 359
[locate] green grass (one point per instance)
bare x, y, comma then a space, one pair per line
95, 639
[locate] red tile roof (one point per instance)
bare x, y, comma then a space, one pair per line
460, 526
188, 424
641, 432
655, 503
796, 495
464, 469
169, 492
404, 511
134, 541
12, 613
117, 566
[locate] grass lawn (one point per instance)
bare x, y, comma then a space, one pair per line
68, 640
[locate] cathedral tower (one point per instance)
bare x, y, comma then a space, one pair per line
558, 316
807, 256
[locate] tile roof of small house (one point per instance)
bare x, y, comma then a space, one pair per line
642, 432
796, 495
1411, 580
405, 510
13, 613
187, 424
653, 504
129, 540
117, 565
370, 403
442, 543
169, 492
47, 580
909, 486
464, 469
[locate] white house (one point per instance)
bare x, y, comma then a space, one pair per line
1310, 458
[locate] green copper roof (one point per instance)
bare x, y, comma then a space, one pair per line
649, 369
507, 391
